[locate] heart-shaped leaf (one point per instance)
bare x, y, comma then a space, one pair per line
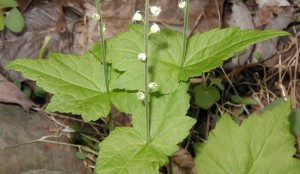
77, 83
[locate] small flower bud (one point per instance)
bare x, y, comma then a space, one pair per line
137, 16
155, 10
182, 3
154, 28
152, 85
142, 57
96, 17
140, 95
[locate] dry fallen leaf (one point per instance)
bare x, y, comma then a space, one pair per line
240, 17
10, 93
183, 163
119, 118
266, 49
266, 15
278, 3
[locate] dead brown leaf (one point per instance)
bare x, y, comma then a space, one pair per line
268, 48
10, 93
266, 15
240, 17
41, 19
278, 3
119, 118
183, 163
23, 4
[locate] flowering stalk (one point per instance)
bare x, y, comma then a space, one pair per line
186, 5
146, 71
101, 27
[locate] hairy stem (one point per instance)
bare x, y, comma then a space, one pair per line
185, 28
103, 52
146, 70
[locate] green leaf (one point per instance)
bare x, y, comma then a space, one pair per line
8, 3
240, 111
275, 103
239, 100
295, 122
205, 96
81, 155
14, 20
17, 83
125, 150
40, 92
217, 82
262, 144
27, 91
236, 99
88, 141
249, 101
2, 24
77, 83
205, 51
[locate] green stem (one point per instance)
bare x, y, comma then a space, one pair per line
103, 52
170, 165
146, 70
185, 27
44, 46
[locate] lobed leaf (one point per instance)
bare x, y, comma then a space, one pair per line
125, 150
77, 83
205, 51
262, 144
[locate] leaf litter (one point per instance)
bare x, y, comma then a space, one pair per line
10, 93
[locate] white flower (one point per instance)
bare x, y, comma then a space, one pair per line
137, 16
140, 95
182, 3
152, 85
142, 57
96, 17
155, 10
154, 28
